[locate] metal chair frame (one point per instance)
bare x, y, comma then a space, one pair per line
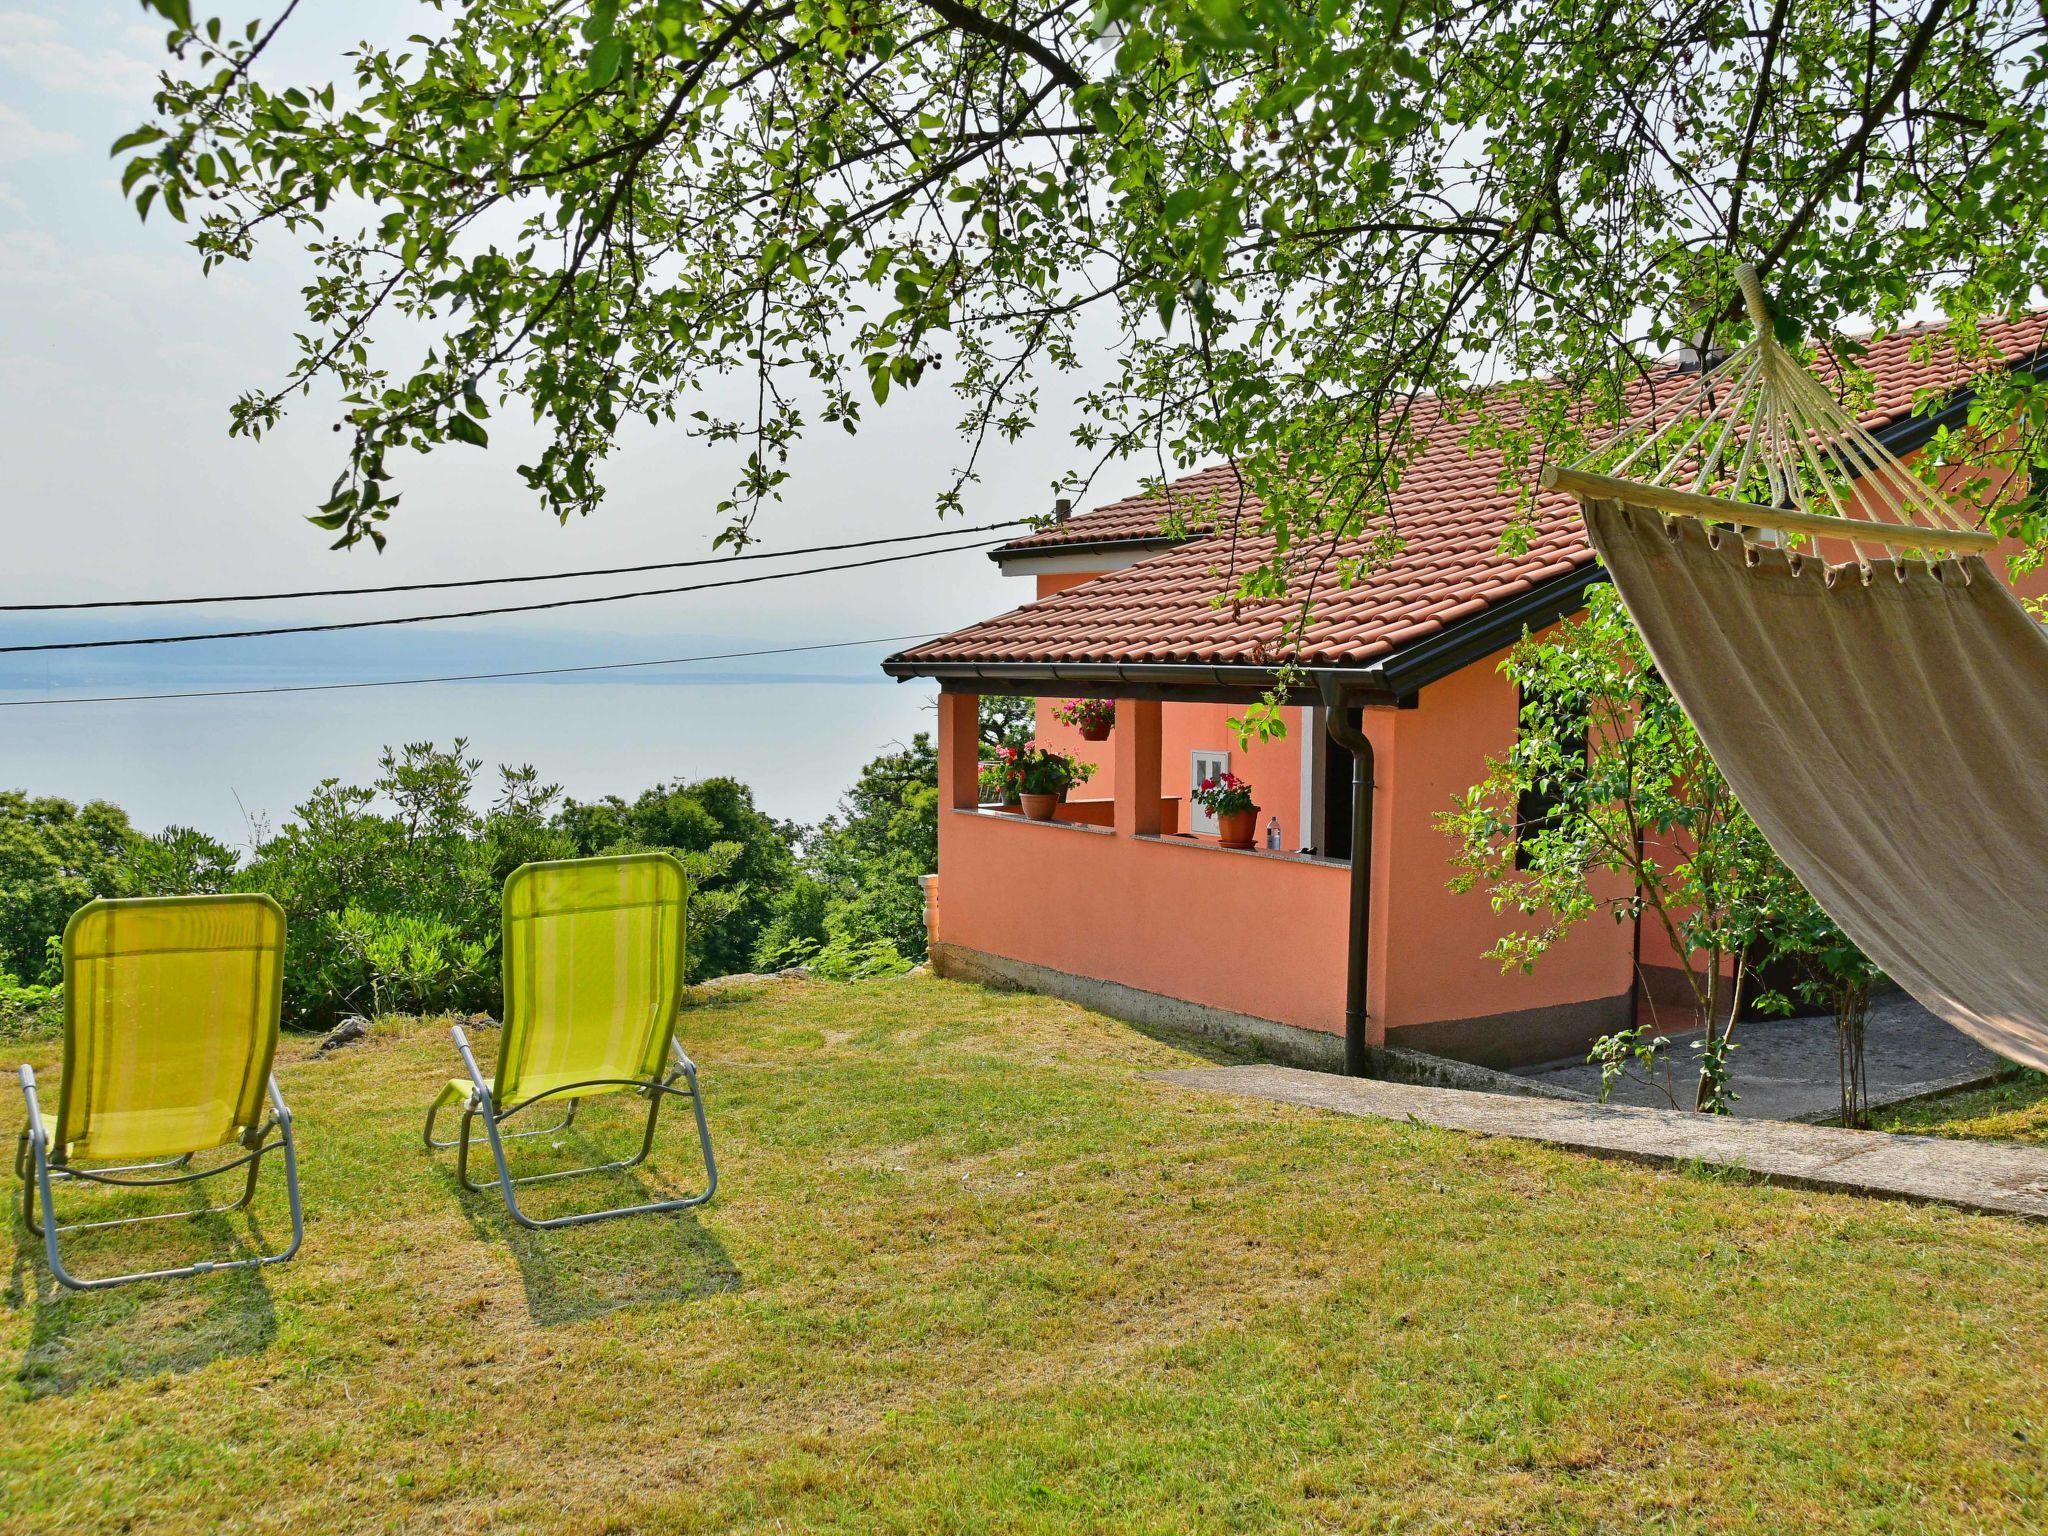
40, 1171
481, 1107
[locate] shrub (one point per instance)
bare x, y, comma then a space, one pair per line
29, 1011
1048, 771
410, 962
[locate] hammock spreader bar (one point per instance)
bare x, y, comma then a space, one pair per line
1806, 468
1743, 514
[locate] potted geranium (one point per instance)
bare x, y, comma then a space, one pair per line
1229, 799
1002, 778
1091, 717
1044, 777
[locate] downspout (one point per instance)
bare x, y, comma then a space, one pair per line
1356, 1053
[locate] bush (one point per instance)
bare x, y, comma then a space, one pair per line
390, 890
54, 858
409, 962
29, 1011
739, 859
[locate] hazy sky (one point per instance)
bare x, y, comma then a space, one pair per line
118, 361
117, 364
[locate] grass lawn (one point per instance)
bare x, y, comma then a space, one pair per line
2013, 1110
970, 1271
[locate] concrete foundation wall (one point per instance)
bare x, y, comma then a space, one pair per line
1268, 1037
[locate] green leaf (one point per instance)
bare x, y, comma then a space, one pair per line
466, 430
606, 60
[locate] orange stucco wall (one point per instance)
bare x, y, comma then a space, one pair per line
1431, 944
1050, 582
1252, 933
1175, 916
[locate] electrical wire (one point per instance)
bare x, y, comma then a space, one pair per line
493, 581
479, 613
458, 677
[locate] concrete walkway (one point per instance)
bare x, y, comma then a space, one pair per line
1786, 1069
1997, 1177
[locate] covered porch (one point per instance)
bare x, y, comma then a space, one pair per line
1129, 902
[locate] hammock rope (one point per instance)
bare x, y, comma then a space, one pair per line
1807, 472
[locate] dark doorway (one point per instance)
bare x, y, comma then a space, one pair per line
1339, 770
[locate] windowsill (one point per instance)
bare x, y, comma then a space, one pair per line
1210, 845
995, 813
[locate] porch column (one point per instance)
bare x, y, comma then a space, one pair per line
960, 750
1137, 767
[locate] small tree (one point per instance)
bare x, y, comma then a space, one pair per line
1007, 720
1609, 802
1826, 972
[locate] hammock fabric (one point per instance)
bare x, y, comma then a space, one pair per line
1874, 694
1889, 736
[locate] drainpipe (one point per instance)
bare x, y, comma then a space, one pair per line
1353, 740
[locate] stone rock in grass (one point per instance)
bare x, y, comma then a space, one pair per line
478, 1021
351, 1029
752, 978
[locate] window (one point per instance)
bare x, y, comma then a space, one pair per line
1204, 765
1566, 723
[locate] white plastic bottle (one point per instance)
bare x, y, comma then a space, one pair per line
1273, 834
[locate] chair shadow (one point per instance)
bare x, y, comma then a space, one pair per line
574, 1274
84, 1339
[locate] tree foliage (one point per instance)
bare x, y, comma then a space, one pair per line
1248, 229
56, 856
391, 889
738, 858
857, 908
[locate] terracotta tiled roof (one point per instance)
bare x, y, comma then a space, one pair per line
1449, 513
1196, 499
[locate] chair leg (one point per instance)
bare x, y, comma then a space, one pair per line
483, 1108
39, 1192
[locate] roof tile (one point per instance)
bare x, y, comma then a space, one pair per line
1449, 511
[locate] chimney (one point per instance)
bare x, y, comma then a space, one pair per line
1063, 509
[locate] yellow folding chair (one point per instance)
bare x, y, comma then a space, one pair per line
593, 964
171, 1009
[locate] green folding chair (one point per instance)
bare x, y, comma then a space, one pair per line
593, 964
171, 1007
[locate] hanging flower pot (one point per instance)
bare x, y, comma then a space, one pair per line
1093, 718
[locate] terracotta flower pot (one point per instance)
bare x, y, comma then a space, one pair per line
1096, 732
1041, 807
1237, 829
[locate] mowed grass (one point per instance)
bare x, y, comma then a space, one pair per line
2013, 1110
972, 1271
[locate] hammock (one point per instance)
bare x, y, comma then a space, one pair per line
1874, 694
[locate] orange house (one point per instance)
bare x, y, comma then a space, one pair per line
1344, 938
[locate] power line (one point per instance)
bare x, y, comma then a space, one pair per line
495, 581
458, 677
480, 613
